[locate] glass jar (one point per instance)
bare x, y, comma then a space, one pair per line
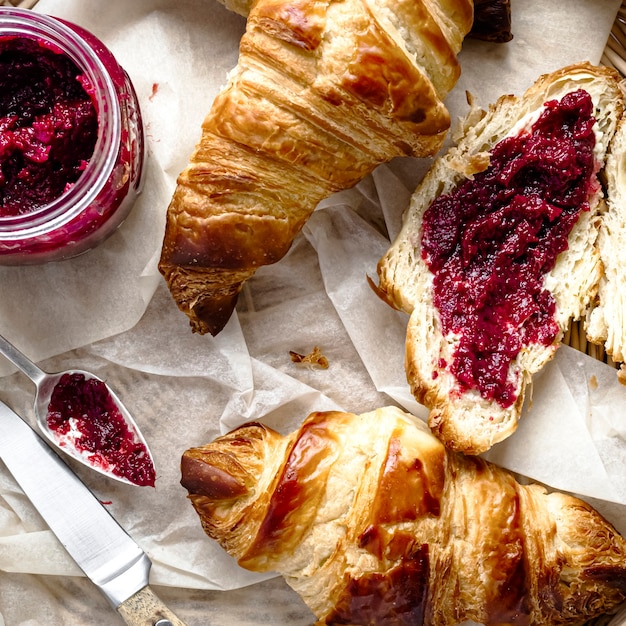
93, 206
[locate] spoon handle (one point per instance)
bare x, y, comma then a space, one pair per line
21, 361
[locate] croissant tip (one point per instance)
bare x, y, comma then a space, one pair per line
207, 303
204, 325
200, 478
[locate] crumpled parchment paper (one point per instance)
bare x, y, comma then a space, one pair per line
109, 312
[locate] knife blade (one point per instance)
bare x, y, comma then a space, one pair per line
102, 549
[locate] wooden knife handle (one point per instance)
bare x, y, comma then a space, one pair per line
146, 609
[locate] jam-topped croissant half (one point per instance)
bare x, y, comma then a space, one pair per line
509, 237
373, 521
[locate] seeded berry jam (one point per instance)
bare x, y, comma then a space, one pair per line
491, 241
82, 414
48, 125
71, 139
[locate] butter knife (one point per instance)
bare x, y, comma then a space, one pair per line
102, 549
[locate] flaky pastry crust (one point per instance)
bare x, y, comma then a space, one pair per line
323, 92
373, 521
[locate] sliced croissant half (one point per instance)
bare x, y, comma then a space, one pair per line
505, 241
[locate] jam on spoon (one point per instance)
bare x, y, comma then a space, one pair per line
83, 417
83, 414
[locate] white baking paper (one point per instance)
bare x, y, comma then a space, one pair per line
108, 311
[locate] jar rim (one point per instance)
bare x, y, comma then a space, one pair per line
49, 31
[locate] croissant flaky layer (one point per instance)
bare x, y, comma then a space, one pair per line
373, 521
323, 92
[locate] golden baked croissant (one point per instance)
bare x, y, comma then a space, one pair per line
373, 521
322, 93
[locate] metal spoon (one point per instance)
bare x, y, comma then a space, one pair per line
46, 384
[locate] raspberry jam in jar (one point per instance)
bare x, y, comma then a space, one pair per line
71, 139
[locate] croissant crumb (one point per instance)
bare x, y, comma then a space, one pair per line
313, 359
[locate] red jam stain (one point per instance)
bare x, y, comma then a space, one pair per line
48, 125
103, 435
491, 241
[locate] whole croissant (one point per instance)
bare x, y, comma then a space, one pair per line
323, 92
373, 521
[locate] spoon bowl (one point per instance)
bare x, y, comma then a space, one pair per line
83, 417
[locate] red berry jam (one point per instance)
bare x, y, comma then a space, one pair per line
48, 125
71, 140
491, 241
82, 411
